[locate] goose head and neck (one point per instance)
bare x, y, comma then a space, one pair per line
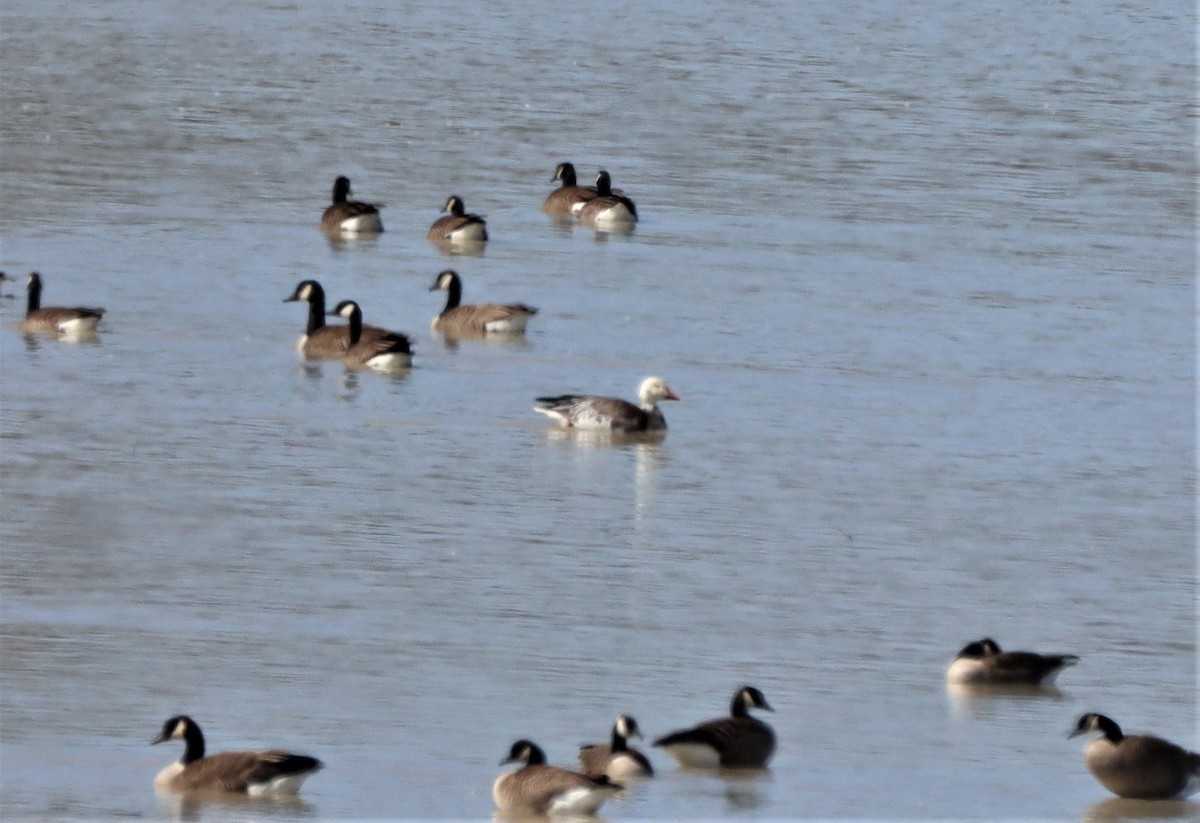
625, 728
652, 391
527, 752
566, 173
34, 288
449, 282
182, 727
603, 183
341, 189
748, 698
454, 205
311, 292
1098, 723
349, 310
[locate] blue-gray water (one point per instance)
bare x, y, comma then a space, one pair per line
923, 276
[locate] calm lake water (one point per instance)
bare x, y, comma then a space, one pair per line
923, 276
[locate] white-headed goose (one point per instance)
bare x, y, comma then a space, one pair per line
587, 411
737, 741
55, 319
539, 789
349, 216
982, 663
458, 226
567, 199
616, 759
458, 320
322, 342
607, 208
257, 774
385, 352
1137, 766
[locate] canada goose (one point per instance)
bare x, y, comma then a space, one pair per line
385, 352
319, 340
616, 760
567, 199
735, 741
255, 773
54, 319
611, 413
350, 216
1138, 766
477, 318
537, 788
982, 663
607, 208
458, 226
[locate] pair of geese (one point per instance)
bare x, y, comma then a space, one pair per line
1132, 766
599, 206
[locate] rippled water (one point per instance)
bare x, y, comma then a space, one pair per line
924, 281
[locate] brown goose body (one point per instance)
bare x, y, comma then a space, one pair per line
737, 741
321, 341
616, 759
387, 352
1138, 766
476, 319
271, 772
78, 320
982, 663
567, 199
539, 789
588, 411
607, 208
457, 226
344, 216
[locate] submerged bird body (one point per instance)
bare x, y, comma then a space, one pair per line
586, 411
77, 320
257, 774
983, 663
1138, 766
320, 341
386, 352
567, 199
350, 216
607, 208
737, 741
458, 226
616, 759
539, 789
476, 318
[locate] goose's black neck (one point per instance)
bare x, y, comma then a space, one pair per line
316, 311
738, 707
603, 185
567, 175
355, 325
619, 743
35, 294
193, 740
341, 188
1110, 728
453, 294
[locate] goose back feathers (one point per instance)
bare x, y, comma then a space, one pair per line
731, 742
349, 216
1137, 766
539, 789
587, 411
78, 320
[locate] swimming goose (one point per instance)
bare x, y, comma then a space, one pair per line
350, 216
982, 663
616, 760
735, 741
254, 773
1137, 766
476, 318
458, 226
385, 352
587, 411
55, 319
539, 789
320, 341
567, 199
607, 208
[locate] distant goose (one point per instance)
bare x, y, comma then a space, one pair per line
458, 226
616, 760
539, 789
54, 319
476, 318
254, 773
350, 216
587, 411
607, 208
319, 340
735, 741
385, 352
982, 663
568, 199
4, 278
1138, 766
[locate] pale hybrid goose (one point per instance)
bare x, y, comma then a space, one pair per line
567, 199
319, 341
607, 208
458, 226
539, 789
1137, 766
350, 216
476, 318
78, 320
616, 759
586, 411
257, 774
735, 741
983, 663
389, 351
